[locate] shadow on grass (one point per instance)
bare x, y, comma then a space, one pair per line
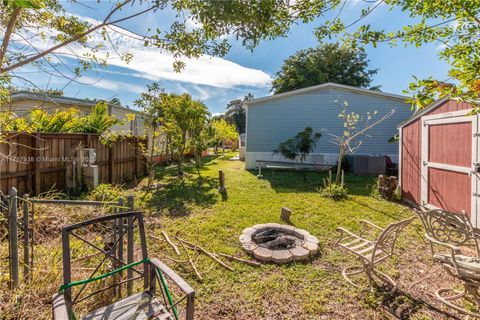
403, 306
177, 196
180, 193
286, 181
388, 214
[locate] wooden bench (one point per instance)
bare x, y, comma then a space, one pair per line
279, 165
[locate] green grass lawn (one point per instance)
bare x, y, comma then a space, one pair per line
194, 209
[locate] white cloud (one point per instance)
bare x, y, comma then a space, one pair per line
202, 94
153, 64
112, 85
193, 24
440, 47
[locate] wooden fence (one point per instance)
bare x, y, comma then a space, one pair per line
37, 162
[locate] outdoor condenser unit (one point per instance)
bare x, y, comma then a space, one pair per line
364, 165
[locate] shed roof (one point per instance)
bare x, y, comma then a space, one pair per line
326, 86
28, 95
423, 111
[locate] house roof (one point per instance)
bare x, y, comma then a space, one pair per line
423, 111
326, 86
28, 95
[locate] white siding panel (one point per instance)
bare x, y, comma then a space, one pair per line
251, 158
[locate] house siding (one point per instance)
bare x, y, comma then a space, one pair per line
136, 126
272, 122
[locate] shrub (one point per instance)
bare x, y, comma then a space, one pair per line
9, 121
334, 191
62, 120
300, 145
105, 192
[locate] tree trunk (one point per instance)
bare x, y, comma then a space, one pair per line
339, 165
199, 159
150, 167
179, 167
167, 150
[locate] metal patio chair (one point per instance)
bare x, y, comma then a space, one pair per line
115, 294
370, 252
449, 235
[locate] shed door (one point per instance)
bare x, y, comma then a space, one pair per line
449, 159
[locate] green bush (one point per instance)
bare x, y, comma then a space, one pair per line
300, 145
105, 192
62, 120
334, 191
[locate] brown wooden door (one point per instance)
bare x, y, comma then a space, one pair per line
449, 159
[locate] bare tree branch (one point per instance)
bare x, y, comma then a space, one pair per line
106, 22
8, 33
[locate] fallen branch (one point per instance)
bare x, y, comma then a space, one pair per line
174, 260
211, 267
173, 245
211, 255
87, 256
253, 263
199, 276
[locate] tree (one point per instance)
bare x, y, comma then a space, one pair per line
327, 63
224, 133
354, 127
152, 103
185, 121
51, 91
248, 21
301, 145
453, 23
236, 112
115, 101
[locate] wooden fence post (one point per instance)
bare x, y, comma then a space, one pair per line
120, 227
221, 181
36, 165
130, 244
26, 238
137, 158
110, 164
285, 214
13, 238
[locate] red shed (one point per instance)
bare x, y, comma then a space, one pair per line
439, 158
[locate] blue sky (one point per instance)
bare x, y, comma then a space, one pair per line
219, 80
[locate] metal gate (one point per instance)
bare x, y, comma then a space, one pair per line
450, 163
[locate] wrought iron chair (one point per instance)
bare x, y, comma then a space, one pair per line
105, 237
449, 235
371, 252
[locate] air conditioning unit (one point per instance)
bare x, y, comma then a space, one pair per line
367, 165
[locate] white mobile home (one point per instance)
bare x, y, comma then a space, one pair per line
274, 119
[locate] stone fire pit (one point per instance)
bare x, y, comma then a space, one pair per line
278, 243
